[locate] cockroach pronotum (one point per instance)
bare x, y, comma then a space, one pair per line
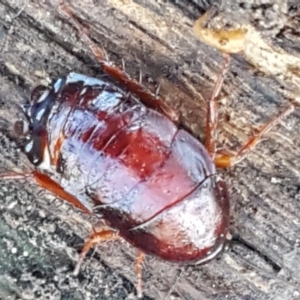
153, 183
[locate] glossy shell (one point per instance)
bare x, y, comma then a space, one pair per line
150, 180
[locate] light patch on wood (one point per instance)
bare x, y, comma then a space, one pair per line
266, 58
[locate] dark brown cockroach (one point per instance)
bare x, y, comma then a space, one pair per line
154, 184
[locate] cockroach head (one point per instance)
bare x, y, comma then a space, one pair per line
34, 124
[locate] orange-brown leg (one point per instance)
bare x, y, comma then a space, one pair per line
212, 110
139, 272
224, 161
48, 184
119, 74
94, 239
109, 235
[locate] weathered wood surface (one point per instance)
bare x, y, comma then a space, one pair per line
40, 237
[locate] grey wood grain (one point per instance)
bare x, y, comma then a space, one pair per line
40, 236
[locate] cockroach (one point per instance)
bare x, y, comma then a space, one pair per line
122, 157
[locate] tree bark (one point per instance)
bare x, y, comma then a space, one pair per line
40, 236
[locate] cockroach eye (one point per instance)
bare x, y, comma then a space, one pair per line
21, 128
39, 94
43, 96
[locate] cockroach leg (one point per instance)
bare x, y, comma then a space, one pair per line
117, 73
224, 160
212, 109
48, 184
95, 238
108, 235
15, 175
139, 272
